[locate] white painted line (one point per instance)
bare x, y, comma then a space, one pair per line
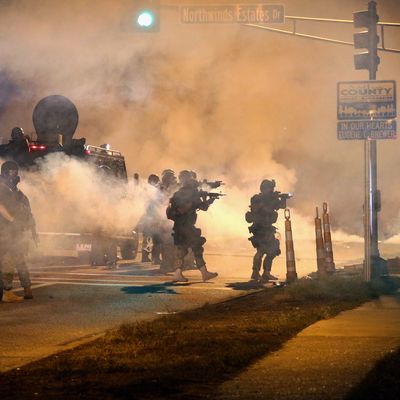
67, 279
100, 274
34, 286
121, 276
127, 284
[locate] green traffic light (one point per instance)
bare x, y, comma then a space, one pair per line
145, 19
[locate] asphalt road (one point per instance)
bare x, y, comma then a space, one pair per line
74, 304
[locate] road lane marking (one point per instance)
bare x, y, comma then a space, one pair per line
34, 286
103, 275
127, 284
121, 276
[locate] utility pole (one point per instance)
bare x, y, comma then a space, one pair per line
369, 60
368, 40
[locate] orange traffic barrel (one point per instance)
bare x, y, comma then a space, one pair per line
330, 265
320, 246
291, 274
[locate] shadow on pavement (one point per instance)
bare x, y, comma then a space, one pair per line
163, 288
250, 285
139, 272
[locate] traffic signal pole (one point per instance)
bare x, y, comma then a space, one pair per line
372, 198
367, 60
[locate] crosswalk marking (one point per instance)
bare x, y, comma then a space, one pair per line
134, 275
199, 285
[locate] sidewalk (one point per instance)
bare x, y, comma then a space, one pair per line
325, 360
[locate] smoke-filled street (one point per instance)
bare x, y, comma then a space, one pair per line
182, 155
225, 100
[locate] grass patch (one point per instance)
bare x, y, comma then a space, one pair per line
188, 354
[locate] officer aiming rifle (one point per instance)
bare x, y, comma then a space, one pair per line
262, 215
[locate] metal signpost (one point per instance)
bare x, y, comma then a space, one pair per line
379, 125
366, 110
232, 13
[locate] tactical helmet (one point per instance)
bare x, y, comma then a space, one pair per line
168, 177
153, 180
267, 185
185, 176
17, 133
167, 172
8, 166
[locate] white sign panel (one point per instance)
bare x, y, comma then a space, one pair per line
366, 100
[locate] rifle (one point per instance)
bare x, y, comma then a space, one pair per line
211, 195
212, 184
284, 196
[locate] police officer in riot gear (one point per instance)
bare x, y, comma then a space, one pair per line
18, 145
16, 220
183, 211
17, 133
262, 215
169, 183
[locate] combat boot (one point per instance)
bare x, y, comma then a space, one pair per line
255, 276
266, 276
206, 275
178, 277
28, 293
11, 297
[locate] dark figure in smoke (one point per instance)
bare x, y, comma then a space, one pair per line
183, 211
18, 145
150, 225
263, 214
16, 220
169, 185
136, 179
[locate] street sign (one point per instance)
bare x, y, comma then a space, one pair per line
360, 130
233, 13
366, 100
366, 110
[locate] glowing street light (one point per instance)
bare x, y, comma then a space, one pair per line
147, 16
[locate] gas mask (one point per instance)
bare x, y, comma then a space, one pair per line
13, 181
12, 178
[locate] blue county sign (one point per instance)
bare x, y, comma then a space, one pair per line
366, 110
232, 13
360, 130
366, 100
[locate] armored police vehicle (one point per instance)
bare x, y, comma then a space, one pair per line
55, 119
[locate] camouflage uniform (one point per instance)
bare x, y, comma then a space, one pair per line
263, 214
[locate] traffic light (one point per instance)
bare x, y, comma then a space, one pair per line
367, 39
147, 16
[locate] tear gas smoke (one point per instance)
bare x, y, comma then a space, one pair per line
69, 195
228, 101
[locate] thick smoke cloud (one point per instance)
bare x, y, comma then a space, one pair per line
69, 195
228, 101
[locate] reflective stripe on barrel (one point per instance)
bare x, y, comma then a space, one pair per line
291, 274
